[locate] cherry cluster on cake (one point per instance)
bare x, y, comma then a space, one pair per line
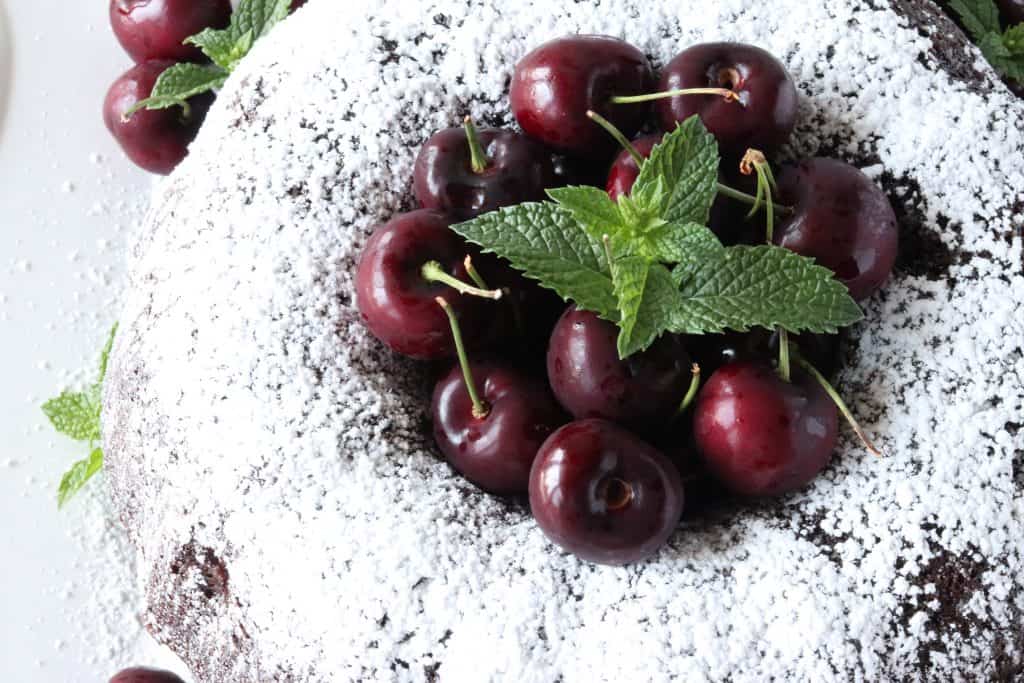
552, 396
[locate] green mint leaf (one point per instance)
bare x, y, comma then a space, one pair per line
674, 243
648, 300
222, 46
548, 244
180, 82
1013, 40
258, 17
592, 208
686, 163
77, 477
741, 287
105, 354
980, 17
76, 414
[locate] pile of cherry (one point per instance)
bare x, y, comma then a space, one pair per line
153, 33
605, 447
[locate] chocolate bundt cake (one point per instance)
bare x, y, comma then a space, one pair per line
274, 464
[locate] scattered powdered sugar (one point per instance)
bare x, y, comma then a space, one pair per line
270, 458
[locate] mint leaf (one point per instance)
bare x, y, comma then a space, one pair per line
105, 353
686, 163
180, 82
648, 299
76, 414
1013, 40
675, 243
258, 17
593, 209
548, 244
77, 477
980, 17
765, 286
222, 46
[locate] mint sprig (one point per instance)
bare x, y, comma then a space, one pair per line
226, 47
648, 263
77, 415
1003, 49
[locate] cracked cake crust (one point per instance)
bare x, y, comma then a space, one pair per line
273, 463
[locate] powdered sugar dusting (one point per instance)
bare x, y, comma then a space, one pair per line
291, 517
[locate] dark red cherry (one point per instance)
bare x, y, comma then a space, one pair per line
712, 351
590, 380
842, 220
625, 170
766, 112
762, 436
604, 495
157, 29
156, 140
140, 674
296, 4
495, 451
518, 170
398, 304
575, 171
554, 86
1011, 11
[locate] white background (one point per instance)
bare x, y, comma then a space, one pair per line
68, 201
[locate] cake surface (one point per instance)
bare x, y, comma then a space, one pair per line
273, 463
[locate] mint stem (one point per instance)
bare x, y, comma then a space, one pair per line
433, 272
477, 156
617, 134
691, 394
784, 367
480, 409
840, 404
608, 250
739, 196
729, 95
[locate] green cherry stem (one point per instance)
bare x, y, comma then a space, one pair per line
477, 156
691, 394
784, 366
617, 134
754, 161
729, 95
433, 272
480, 408
840, 404
474, 274
733, 193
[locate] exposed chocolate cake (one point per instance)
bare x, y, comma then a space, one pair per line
273, 461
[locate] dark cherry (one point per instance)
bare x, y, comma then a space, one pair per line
712, 351
604, 495
555, 85
842, 219
575, 171
1012, 11
519, 170
296, 4
625, 171
590, 380
156, 140
157, 29
760, 435
766, 112
398, 304
140, 674
495, 451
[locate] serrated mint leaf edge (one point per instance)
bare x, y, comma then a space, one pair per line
169, 91
979, 16
78, 476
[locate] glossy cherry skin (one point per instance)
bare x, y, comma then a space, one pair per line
761, 436
157, 29
494, 452
519, 170
604, 495
842, 220
140, 674
554, 86
398, 305
1011, 11
766, 113
156, 140
590, 380
712, 351
625, 171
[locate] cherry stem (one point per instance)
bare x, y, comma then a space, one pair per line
433, 272
691, 393
477, 156
754, 161
480, 408
729, 95
784, 366
733, 193
474, 274
617, 134
840, 404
